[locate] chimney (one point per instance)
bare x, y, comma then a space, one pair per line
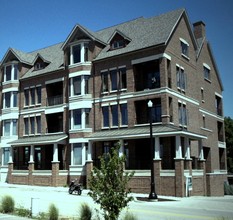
199, 29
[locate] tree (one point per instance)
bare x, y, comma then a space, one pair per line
109, 184
229, 142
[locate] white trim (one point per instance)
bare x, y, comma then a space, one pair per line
123, 102
113, 68
53, 81
11, 89
121, 67
219, 95
150, 58
104, 71
211, 114
179, 66
206, 66
113, 103
80, 73
104, 104
78, 140
184, 41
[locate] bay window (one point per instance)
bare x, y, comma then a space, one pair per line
77, 154
10, 127
79, 85
79, 119
10, 99
11, 72
79, 53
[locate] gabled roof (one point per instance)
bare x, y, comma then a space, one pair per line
120, 33
92, 35
41, 57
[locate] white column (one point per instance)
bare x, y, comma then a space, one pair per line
201, 153
121, 150
89, 151
32, 154
82, 85
55, 153
71, 56
178, 148
83, 153
11, 155
157, 148
83, 118
82, 52
187, 148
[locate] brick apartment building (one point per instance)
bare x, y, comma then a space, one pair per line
65, 105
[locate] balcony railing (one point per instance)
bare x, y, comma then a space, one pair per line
54, 100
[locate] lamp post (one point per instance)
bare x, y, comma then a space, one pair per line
152, 194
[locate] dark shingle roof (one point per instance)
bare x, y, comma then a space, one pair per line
143, 32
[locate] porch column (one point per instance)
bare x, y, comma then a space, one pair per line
178, 148
201, 153
121, 150
10, 156
188, 160
157, 148
31, 165
89, 163
55, 153
32, 150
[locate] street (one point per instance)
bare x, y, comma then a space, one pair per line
39, 198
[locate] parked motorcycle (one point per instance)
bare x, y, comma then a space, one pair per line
75, 187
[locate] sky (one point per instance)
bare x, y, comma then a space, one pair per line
29, 25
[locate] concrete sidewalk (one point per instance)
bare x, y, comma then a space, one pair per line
38, 199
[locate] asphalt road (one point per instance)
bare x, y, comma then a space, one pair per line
39, 198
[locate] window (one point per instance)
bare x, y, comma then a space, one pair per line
7, 100
15, 99
206, 73
38, 94
26, 126
203, 121
104, 76
184, 47
26, 97
218, 105
181, 78
105, 112
118, 44
32, 125
87, 118
38, 124
77, 119
6, 155
11, 72
39, 66
114, 115
10, 127
182, 114
124, 114
123, 80
113, 74
77, 85
32, 91
77, 154
156, 112
79, 53
202, 95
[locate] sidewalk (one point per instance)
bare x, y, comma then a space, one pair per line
38, 199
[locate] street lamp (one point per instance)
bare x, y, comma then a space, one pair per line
152, 194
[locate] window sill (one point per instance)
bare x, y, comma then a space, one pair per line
208, 80
206, 129
80, 64
185, 56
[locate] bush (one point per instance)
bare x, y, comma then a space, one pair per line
53, 212
8, 204
130, 216
22, 212
85, 212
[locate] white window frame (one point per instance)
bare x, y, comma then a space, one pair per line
13, 64
82, 52
186, 55
83, 119
11, 132
83, 154
12, 93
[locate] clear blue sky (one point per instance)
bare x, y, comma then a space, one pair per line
29, 25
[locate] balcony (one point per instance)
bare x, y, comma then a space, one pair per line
54, 100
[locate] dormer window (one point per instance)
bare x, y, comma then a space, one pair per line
78, 53
118, 40
39, 66
117, 44
11, 72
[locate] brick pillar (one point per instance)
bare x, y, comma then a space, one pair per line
55, 173
31, 167
157, 169
202, 166
89, 168
10, 170
179, 178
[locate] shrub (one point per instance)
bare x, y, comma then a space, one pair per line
130, 216
228, 189
109, 184
8, 204
85, 212
22, 212
53, 212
